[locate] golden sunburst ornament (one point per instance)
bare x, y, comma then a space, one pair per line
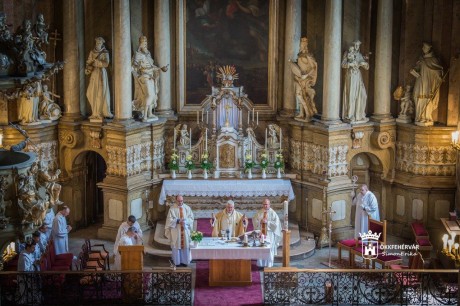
228, 75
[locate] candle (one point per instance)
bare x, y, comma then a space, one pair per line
281, 139
174, 139
202, 114
286, 208
266, 131
257, 118
249, 113
207, 117
190, 141
444, 240
253, 115
262, 238
206, 141
456, 248
245, 238
197, 117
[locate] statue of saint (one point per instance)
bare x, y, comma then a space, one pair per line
5, 34
428, 75
49, 180
354, 92
146, 79
273, 141
184, 136
41, 29
26, 106
98, 92
48, 109
305, 71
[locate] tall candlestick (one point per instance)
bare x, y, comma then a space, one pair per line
206, 140
266, 139
190, 141
281, 139
197, 117
445, 237
253, 115
257, 118
207, 117
286, 207
174, 139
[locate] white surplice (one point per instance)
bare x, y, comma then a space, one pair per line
273, 233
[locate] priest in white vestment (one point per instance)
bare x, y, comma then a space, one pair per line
48, 221
123, 229
229, 219
267, 221
60, 231
28, 285
126, 239
366, 207
178, 226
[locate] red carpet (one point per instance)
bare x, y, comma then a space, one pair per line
230, 296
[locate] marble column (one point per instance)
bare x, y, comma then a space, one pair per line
122, 61
162, 53
291, 48
332, 61
382, 82
73, 73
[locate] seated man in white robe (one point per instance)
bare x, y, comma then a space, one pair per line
366, 207
178, 226
123, 229
229, 219
126, 239
267, 221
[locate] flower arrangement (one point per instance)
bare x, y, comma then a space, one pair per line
205, 164
279, 162
263, 161
249, 163
196, 236
174, 161
189, 163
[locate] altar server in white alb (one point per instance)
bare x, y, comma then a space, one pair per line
126, 239
267, 221
60, 231
179, 223
123, 229
366, 207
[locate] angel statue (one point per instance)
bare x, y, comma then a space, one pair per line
273, 132
184, 137
404, 96
305, 71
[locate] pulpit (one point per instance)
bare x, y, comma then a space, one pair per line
132, 258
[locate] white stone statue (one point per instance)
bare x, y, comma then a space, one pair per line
428, 75
404, 96
28, 104
146, 79
184, 139
48, 180
354, 92
98, 92
273, 131
305, 71
48, 109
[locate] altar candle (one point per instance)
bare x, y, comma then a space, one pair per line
174, 139
286, 211
281, 139
197, 117
207, 117
262, 238
266, 131
245, 238
249, 113
253, 115
257, 118
450, 243
444, 241
190, 141
206, 141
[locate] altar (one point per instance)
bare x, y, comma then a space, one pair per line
229, 262
210, 195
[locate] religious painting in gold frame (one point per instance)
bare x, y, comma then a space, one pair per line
216, 33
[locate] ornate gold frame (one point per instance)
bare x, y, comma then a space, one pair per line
273, 60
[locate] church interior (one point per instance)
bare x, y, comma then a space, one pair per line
344, 114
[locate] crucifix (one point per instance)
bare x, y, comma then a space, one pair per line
54, 37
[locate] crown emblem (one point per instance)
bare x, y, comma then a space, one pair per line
370, 236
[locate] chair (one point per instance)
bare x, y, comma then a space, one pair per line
376, 227
347, 245
408, 278
100, 255
99, 248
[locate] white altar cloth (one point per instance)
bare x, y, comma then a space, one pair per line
215, 248
226, 188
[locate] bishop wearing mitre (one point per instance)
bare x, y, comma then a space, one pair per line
229, 219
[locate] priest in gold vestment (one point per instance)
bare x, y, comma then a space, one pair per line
229, 219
